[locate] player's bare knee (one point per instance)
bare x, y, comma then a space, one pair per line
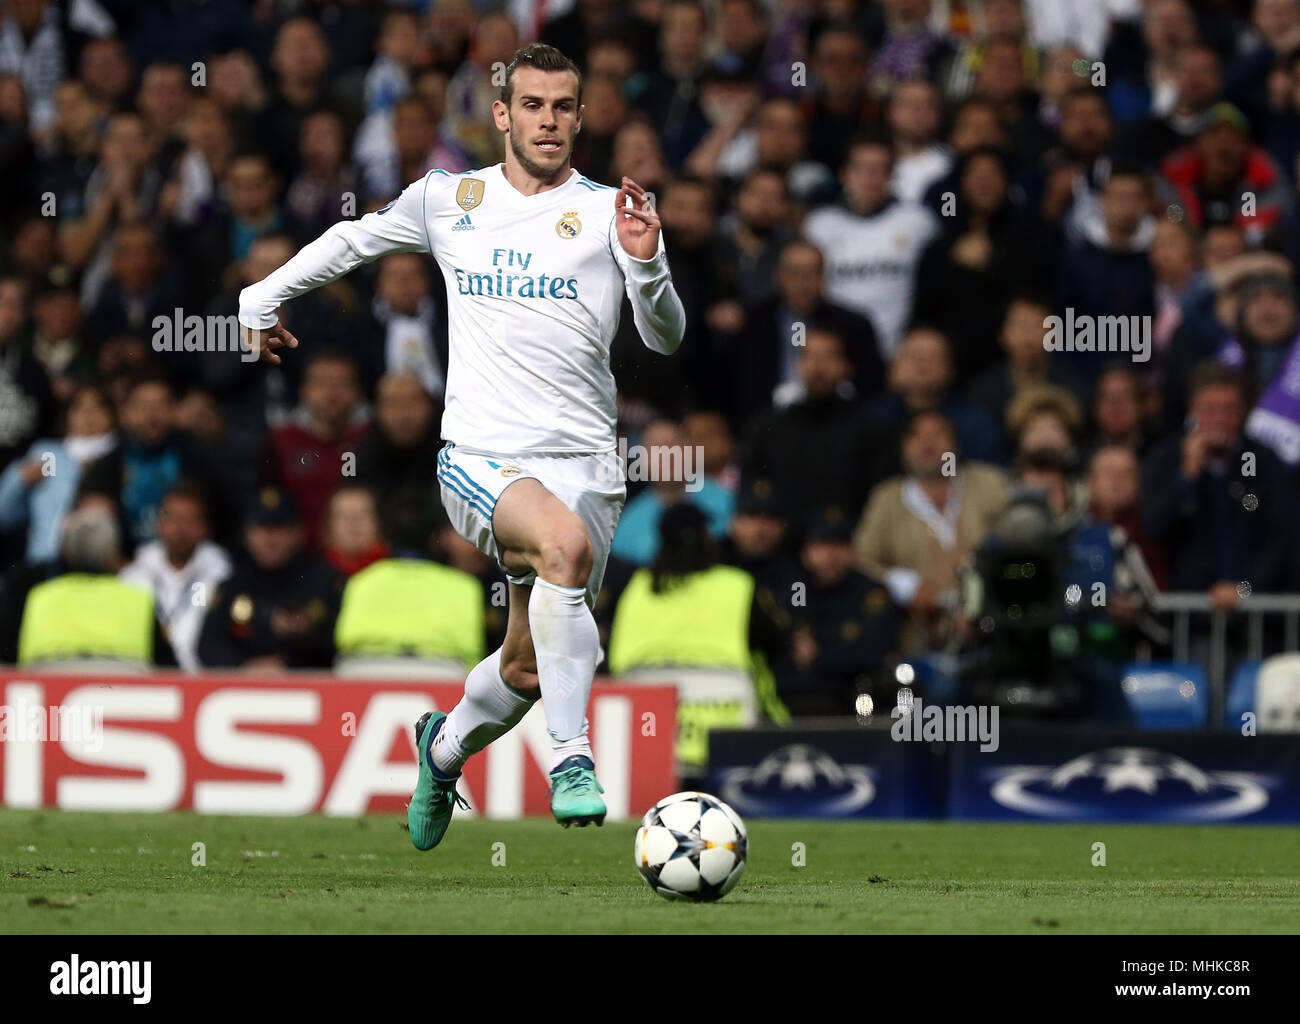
566, 556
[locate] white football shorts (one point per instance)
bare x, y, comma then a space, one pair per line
592, 487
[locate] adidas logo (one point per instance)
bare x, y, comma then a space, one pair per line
464, 224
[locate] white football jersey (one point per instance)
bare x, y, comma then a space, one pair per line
535, 286
871, 262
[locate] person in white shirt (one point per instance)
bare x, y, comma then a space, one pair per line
181, 569
872, 243
537, 260
919, 158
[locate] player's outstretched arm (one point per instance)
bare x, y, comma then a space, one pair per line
656, 308
398, 227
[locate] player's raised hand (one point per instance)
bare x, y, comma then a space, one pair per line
638, 223
264, 343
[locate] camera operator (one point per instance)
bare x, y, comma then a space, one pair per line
1055, 602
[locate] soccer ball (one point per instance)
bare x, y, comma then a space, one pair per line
691, 846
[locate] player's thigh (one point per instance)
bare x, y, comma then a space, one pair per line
536, 531
518, 658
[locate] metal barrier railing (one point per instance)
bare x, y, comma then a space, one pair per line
1183, 605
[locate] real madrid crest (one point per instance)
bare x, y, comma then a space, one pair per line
569, 226
469, 193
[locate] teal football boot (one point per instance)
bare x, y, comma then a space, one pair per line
429, 812
575, 793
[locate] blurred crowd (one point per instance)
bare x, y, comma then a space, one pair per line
873, 210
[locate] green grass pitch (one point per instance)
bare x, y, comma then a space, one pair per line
133, 873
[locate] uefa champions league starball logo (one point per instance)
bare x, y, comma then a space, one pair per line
1129, 781
799, 779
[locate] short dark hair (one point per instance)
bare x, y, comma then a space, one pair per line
1212, 374
187, 490
543, 57
868, 137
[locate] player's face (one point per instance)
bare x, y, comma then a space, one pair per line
542, 121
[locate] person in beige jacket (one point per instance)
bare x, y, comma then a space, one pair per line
919, 527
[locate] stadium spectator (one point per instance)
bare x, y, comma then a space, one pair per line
190, 193
1142, 61
1117, 410
757, 538
761, 360
638, 154
873, 243
750, 240
402, 326
278, 607
396, 459
317, 194
1065, 184
35, 38
58, 338
353, 539
686, 208
1181, 286
181, 570
709, 434
1043, 416
920, 158
921, 378
1027, 362
1197, 83
84, 614
105, 70
1267, 349
38, 489
910, 46
123, 187
140, 287
1223, 512
842, 103
969, 273
777, 140
152, 457
473, 88
992, 19
920, 526
398, 53
25, 394
671, 95
1223, 178
300, 62
1106, 272
385, 152
676, 476
823, 448
309, 456
1114, 487
845, 632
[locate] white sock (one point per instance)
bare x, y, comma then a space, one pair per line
568, 649
490, 708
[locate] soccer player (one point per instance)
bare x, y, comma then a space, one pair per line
537, 259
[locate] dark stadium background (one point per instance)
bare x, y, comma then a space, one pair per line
1044, 158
